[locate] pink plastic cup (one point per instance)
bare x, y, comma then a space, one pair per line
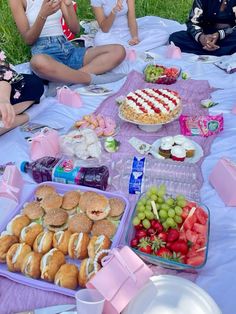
89, 301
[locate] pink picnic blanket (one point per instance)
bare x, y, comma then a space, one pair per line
15, 297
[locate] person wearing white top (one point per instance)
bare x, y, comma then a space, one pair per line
117, 22
54, 57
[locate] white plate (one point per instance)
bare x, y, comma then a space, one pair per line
94, 90
198, 151
167, 294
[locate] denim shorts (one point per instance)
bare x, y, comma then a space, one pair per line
61, 50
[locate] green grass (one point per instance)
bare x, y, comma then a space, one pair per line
17, 52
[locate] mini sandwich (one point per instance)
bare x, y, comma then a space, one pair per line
52, 201
6, 241
61, 240
50, 264
31, 265
44, 190
71, 201
78, 245
96, 244
17, 224
43, 242
86, 271
80, 223
56, 220
33, 210
29, 233
104, 227
95, 205
16, 255
67, 276
117, 208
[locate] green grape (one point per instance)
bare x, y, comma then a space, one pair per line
160, 200
165, 226
171, 213
141, 208
165, 206
149, 193
148, 207
153, 197
170, 222
163, 214
178, 219
143, 200
150, 215
162, 188
136, 221
154, 189
181, 203
180, 197
146, 223
178, 210
141, 216
170, 201
148, 202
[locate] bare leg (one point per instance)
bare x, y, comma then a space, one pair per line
21, 118
96, 61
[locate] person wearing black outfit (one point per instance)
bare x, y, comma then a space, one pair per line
211, 28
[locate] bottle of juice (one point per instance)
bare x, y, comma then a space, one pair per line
65, 170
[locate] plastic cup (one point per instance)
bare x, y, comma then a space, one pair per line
89, 301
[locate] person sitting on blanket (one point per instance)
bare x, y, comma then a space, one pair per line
210, 28
17, 93
54, 57
117, 22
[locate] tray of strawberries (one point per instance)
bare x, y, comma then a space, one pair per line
169, 231
155, 73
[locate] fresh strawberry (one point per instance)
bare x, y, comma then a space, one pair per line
141, 234
139, 226
157, 225
157, 243
144, 246
163, 236
195, 260
177, 257
164, 252
134, 242
179, 246
191, 236
172, 235
202, 216
151, 231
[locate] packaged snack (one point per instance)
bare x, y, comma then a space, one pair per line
207, 103
201, 125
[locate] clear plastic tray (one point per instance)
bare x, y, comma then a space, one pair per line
61, 188
156, 260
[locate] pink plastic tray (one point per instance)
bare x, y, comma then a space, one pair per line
61, 188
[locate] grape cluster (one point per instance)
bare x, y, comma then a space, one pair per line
153, 72
169, 209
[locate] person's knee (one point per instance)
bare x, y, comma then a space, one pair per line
119, 53
40, 64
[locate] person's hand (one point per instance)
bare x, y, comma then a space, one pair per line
209, 41
118, 7
134, 41
49, 7
8, 114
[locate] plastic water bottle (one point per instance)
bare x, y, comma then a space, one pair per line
66, 170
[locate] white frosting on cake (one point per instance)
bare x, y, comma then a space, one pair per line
167, 139
188, 145
180, 139
178, 151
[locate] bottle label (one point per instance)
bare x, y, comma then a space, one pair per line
135, 182
138, 164
65, 172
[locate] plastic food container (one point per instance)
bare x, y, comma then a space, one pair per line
60, 188
161, 74
160, 261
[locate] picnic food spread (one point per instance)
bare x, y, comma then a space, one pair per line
151, 106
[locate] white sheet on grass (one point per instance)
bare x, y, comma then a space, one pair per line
217, 277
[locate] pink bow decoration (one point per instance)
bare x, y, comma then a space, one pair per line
11, 183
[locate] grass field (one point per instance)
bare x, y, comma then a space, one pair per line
17, 52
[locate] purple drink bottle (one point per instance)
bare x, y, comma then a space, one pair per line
65, 171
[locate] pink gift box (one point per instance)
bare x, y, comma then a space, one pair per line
122, 276
11, 184
223, 179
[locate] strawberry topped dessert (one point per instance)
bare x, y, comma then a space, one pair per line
151, 106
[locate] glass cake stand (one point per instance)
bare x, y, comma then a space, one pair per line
148, 127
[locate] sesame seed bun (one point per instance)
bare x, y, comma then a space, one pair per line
51, 201
56, 219
95, 205
44, 190
33, 210
103, 227
117, 207
71, 201
80, 223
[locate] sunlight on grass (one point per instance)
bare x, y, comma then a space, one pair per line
17, 52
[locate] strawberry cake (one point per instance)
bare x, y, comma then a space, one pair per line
151, 106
